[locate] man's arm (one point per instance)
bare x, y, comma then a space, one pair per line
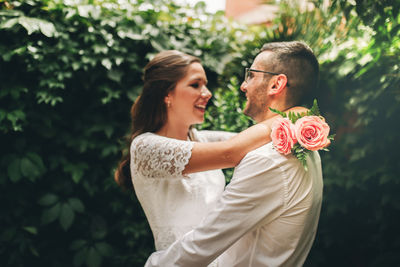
255, 194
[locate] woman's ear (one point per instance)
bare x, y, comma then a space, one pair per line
278, 84
167, 101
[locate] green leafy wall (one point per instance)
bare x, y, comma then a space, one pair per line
69, 74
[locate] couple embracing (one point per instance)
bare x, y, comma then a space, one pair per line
268, 214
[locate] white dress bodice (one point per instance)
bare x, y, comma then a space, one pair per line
174, 203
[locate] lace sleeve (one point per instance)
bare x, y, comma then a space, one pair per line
156, 156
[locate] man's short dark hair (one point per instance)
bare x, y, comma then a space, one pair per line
297, 61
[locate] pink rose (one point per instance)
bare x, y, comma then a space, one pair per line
312, 132
283, 135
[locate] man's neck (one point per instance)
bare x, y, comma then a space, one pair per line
269, 114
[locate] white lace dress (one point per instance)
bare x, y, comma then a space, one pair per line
173, 203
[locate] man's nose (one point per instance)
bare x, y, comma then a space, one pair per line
243, 86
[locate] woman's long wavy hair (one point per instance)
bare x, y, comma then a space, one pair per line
149, 112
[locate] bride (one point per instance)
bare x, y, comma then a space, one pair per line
174, 169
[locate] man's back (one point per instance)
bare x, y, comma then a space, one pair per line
289, 200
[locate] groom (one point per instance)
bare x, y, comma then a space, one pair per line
268, 214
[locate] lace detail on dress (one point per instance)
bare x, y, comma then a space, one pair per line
159, 157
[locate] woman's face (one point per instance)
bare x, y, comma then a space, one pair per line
189, 99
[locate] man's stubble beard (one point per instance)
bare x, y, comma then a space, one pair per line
257, 104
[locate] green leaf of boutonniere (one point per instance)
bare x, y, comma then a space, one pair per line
278, 112
314, 110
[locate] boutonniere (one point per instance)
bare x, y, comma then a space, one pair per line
300, 134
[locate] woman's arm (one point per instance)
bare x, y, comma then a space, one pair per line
227, 154
211, 135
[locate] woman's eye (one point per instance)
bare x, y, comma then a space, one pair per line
195, 85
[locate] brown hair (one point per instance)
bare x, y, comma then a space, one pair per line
149, 112
297, 61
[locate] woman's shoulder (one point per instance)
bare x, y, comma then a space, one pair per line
151, 138
144, 142
157, 156
154, 142
144, 136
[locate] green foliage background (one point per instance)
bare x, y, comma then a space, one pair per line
69, 73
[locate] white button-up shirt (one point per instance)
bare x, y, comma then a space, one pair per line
267, 216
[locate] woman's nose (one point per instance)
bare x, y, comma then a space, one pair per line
205, 92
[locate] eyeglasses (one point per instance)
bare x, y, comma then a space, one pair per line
247, 70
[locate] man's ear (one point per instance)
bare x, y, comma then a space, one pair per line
278, 84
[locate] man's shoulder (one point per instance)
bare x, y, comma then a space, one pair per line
265, 152
262, 158
265, 161
262, 150
268, 156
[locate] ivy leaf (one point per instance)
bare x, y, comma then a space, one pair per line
33, 24
50, 215
28, 169
80, 257
14, 170
78, 244
48, 200
30, 229
106, 63
93, 258
114, 75
3, 113
67, 216
76, 170
15, 117
104, 248
108, 130
37, 161
99, 228
156, 45
34, 251
11, 13
76, 204
8, 234
47, 28
9, 23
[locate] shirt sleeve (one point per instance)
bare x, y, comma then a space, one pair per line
155, 156
255, 196
212, 136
